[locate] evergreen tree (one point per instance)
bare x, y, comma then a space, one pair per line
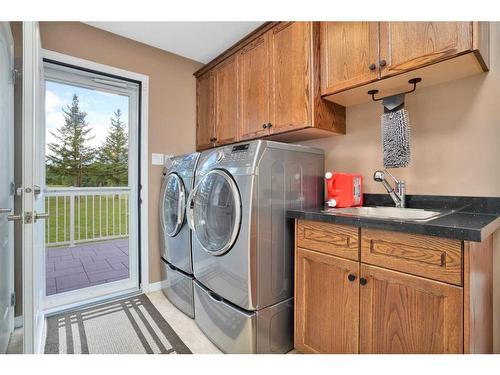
113, 154
70, 155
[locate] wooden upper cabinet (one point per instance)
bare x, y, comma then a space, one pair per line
349, 54
290, 46
406, 314
254, 88
357, 57
326, 303
205, 111
226, 99
409, 45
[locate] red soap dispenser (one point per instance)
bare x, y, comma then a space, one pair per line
344, 189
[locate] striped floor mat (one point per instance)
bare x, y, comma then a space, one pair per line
129, 326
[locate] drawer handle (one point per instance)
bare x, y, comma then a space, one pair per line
173, 268
363, 281
351, 277
215, 297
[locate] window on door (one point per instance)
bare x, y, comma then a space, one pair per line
91, 150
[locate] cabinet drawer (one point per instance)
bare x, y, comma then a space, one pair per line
431, 257
339, 240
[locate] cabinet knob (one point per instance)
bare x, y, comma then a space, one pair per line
264, 126
383, 63
269, 125
362, 281
351, 277
372, 67
213, 139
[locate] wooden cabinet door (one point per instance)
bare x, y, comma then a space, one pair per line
205, 111
226, 99
254, 88
326, 303
348, 50
400, 313
409, 45
290, 45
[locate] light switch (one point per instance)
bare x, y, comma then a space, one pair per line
157, 159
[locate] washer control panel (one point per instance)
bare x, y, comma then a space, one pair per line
183, 164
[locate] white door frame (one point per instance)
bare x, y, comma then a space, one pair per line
33, 269
75, 77
144, 80
6, 33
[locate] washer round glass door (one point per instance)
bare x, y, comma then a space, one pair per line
216, 212
174, 204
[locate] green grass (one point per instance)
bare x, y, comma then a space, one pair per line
92, 220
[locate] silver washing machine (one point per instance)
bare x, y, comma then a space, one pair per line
177, 265
243, 244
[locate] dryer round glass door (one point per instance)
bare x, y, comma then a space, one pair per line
216, 212
174, 204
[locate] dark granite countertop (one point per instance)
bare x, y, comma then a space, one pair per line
472, 219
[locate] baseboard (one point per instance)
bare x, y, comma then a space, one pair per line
18, 321
154, 287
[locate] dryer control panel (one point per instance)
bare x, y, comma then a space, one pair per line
236, 156
231, 157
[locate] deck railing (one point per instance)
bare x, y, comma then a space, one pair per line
86, 214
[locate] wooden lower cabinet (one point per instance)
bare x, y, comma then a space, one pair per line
400, 313
379, 304
327, 303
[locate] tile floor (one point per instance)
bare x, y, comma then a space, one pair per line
184, 326
84, 265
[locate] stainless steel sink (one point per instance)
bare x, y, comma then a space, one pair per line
390, 213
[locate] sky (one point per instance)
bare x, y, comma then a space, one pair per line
98, 105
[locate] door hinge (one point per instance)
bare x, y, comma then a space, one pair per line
28, 217
13, 299
14, 73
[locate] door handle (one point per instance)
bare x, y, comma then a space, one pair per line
10, 217
41, 216
181, 206
15, 217
190, 208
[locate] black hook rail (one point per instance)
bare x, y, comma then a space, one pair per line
412, 81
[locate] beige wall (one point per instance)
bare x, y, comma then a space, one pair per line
455, 143
172, 100
455, 126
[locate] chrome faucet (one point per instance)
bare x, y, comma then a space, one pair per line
398, 194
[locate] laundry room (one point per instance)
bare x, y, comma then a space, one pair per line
272, 184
